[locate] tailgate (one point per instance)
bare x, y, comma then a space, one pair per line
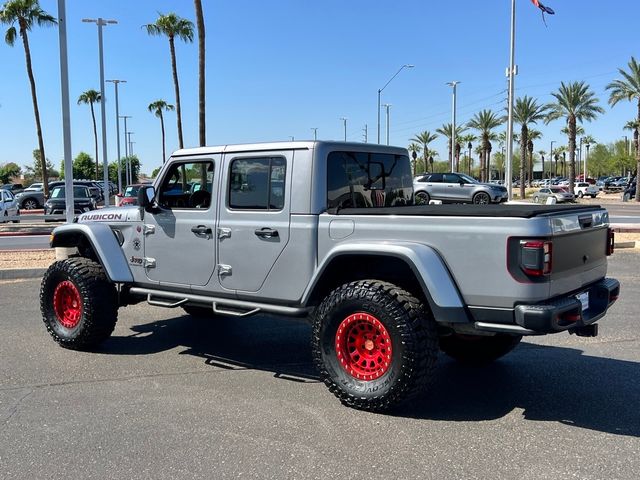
579, 250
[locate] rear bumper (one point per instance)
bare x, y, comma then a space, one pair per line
556, 315
567, 312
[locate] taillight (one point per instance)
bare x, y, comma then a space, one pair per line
536, 257
610, 241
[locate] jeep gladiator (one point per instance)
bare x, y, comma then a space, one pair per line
328, 231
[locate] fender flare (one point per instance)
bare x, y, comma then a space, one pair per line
104, 243
427, 265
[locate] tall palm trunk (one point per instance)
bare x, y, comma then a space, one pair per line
95, 138
177, 88
201, 72
524, 134
164, 154
36, 111
572, 152
487, 175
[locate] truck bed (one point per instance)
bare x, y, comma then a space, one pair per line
468, 210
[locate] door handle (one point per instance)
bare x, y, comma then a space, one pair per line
201, 230
266, 233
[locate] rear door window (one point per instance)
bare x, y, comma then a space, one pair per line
257, 183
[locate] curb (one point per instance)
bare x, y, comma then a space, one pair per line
22, 273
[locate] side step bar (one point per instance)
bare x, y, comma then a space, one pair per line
222, 306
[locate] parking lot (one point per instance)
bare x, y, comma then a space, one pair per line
171, 396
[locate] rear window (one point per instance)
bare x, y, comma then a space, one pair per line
364, 180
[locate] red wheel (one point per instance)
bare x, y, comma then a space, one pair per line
374, 344
363, 346
67, 304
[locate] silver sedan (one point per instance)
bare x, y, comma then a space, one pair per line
560, 194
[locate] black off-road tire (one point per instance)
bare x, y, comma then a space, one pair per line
409, 327
95, 311
200, 312
479, 349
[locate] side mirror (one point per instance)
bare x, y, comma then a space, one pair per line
146, 194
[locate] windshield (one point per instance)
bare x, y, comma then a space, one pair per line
467, 178
78, 192
131, 191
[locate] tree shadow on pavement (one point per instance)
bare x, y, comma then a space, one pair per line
556, 384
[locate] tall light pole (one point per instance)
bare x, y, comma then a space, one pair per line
550, 157
469, 146
115, 84
453, 84
101, 22
387, 106
385, 86
586, 158
344, 122
511, 72
66, 115
126, 148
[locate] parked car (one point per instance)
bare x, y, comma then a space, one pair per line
560, 194
585, 189
12, 187
34, 187
456, 188
30, 199
82, 201
94, 189
130, 195
8, 205
630, 192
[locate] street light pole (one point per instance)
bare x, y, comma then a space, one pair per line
101, 22
550, 157
511, 74
344, 122
126, 147
66, 115
453, 84
385, 86
387, 106
586, 158
469, 146
115, 84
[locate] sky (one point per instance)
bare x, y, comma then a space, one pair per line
278, 68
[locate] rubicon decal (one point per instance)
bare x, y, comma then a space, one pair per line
98, 217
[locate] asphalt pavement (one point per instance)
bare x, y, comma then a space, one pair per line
170, 396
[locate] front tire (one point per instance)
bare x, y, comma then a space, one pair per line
481, 198
30, 204
374, 344
478, 349
79, 304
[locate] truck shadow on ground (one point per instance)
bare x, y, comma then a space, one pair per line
556, 384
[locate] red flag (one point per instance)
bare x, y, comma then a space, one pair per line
543, 8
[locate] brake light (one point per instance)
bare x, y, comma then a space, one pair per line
536, 257
610, 241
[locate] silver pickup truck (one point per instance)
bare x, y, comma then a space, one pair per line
328, 231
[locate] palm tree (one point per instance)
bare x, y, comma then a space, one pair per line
157, 108
526, 111
90, 97
415, 149
577, 103
26, 13
533, 135
446, 130
587, 140
484, 122
424, 138
173, 26
634, 126
629, 89
201, 73
464, 141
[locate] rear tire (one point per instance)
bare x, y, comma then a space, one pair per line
30, 204
422, 198
79, 304
536, 199
478, 348
580, 195
374, 344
